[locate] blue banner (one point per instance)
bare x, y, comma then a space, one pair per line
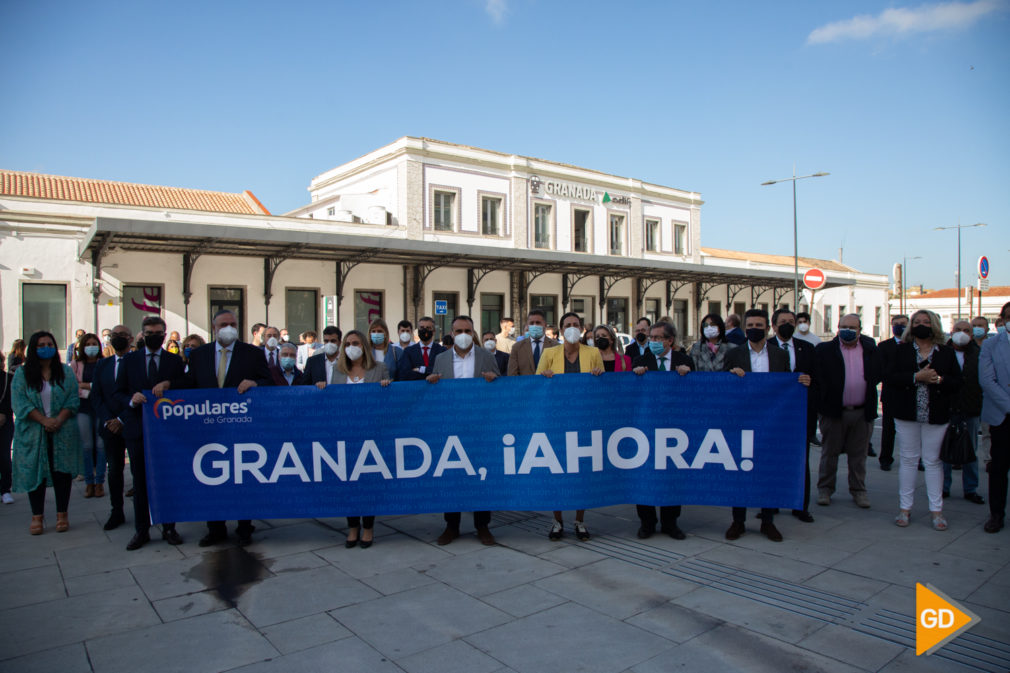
518, 443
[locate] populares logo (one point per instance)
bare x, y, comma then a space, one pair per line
166, 408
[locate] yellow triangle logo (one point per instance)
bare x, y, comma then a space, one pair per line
938, 619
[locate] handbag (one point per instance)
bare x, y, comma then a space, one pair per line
957, 447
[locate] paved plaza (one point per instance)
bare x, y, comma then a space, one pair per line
837, 595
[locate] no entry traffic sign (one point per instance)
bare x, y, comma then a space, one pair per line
814, 279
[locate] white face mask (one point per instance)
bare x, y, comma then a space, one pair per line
960, 338
590, 342
710, 331
352, 352
228, 335
284, 338
490, 345
272, 343
803, 327
572, 335
330, 349
463, 341
404, 337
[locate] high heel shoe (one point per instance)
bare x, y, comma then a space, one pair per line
349, 542
37, 525
62, 522
365, 544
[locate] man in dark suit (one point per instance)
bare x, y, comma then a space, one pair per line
418, 358
108, 412
286, 373
801, 359
734, 334
664, 358
464, 360
849, 367
639, 346
271, 346
525, 355
994, 378
887, 348
757, 356
319, 368
491, 346
155, 369
966, 408
227, 362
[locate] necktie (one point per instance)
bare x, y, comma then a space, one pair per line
152, 370
115, 370
536, 353
222, 368
424, 354
662, 363
333, 372
273, 358
789, 359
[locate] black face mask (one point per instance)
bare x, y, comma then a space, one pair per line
755, 335
922, 331
154, 341
641, 337
786, 331
425, 334
603, 343
119, 343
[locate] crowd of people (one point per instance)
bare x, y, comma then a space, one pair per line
82, 417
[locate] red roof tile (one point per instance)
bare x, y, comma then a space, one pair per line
951, 293
60, 188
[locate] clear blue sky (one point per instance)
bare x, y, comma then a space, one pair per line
906, 105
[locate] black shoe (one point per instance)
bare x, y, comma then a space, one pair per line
245, 539
735, 530
365, 544
171, 536
212, 538
771, 532
921, 467
955, 467
975, 498
645, 532
886, 467
945, 494
129, 493
815, 442
116, 519
993, 525
870, 453
803, 515
448, 535
138, 541
674, 531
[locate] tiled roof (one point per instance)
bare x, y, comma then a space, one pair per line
784, 260
40, 186
951, 293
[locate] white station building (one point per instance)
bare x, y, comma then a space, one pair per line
418, 227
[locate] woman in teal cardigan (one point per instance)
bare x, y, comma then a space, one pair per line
47, 449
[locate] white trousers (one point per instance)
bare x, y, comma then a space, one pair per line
919, 440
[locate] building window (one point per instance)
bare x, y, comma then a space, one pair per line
542, 226
652, 235
876, 322
445, 203
491, 308
226, 299
443, 322
616, 234
368, 305
652, 309
827, 327
680, 239
490, 216
617, 313
548, 303
585, 307
580, 230
715, 307
44, 307
739, 308
680, 317
301, 310
140, 301
330, 212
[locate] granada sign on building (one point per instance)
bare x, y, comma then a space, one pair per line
572, 191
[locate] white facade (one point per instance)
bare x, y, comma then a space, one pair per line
945, 304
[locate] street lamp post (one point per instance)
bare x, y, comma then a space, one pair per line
796, 249
959, 227
904, 273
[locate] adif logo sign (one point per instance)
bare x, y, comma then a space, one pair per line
166, 408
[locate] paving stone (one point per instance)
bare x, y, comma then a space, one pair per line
616, 588
66, 659
852, 647
22, 558
205, 644
749, 614
299, 594
454, 657
907, 662
294, 562
419, 619
304, 633
396, 581
292, 539
190, 605
491, 570
41, 626
855, 587
674, 622
350, 655
393, 553
34, 585
766, 562
523, 600
99, 582
573, 556
96, 557
569, 638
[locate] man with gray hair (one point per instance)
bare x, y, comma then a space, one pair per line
848, 369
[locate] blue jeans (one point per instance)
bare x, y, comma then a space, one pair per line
93, 448
969, 471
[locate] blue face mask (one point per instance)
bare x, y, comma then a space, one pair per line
46, 352
287, 363
978, 332
187, 351
1001, 330
92, 351
848, 335
657, 347
535, 331
378, 338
